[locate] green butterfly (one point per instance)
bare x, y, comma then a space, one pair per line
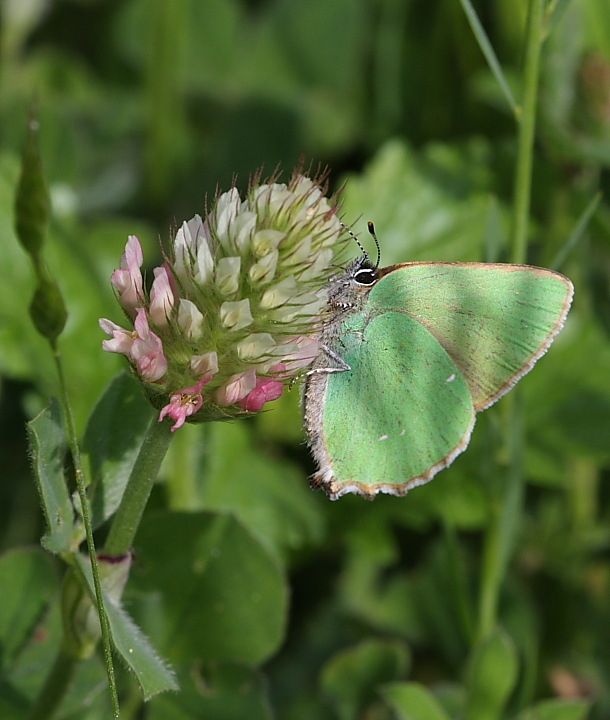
409, 354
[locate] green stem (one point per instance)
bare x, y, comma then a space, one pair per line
504, 522
527, 127
82, 493
56, 686
145, 470
507, 503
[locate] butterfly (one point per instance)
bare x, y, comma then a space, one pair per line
409, 354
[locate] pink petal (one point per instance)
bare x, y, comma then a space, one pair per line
122, 340
162, 297
127, 280
184, 403
306, 353
266, 389
236, 388
147, 350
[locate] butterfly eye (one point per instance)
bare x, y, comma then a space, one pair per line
365, 276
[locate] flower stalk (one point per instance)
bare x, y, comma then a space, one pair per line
145, 470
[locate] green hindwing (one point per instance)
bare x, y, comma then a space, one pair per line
402, 413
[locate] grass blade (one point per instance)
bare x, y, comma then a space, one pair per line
490, 55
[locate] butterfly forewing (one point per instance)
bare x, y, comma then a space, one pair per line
494, 320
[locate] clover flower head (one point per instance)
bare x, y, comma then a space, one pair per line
231, 315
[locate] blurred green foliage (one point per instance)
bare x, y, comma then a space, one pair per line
145, 107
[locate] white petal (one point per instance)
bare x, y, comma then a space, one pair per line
227, 275
300, 253
264, 241
236, 315
227, 208
264, 270
204, 261
190, 319
279, 294
320, 264
269, 199
303, 186
305, 304
204, 365
242, 229
255, 346
185, 245
332, 228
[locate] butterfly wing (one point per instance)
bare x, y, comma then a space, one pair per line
397, 417
493, 320
435, 342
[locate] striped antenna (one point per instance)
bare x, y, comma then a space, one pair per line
371, 228
364, 252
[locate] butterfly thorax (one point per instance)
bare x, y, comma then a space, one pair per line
347, 296
348, 291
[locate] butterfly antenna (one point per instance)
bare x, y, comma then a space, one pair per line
364, 252
372, 231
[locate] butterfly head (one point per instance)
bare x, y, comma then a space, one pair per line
364, 274
361, 271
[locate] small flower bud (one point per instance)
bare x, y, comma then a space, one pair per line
32, 207
231, 315
47, 309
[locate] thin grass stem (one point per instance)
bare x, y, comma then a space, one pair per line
490, 55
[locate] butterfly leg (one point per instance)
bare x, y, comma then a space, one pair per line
342, 366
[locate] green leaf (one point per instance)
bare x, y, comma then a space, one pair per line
113, 437
219, 594
28, 582
222, 692
492, 675
350, 679
269, 495
557, 710
47, 448
567, 410
30, 638
429, 205
130, 642
412, 701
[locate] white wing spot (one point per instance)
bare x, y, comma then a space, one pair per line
402, 432
383, 437
451, 378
